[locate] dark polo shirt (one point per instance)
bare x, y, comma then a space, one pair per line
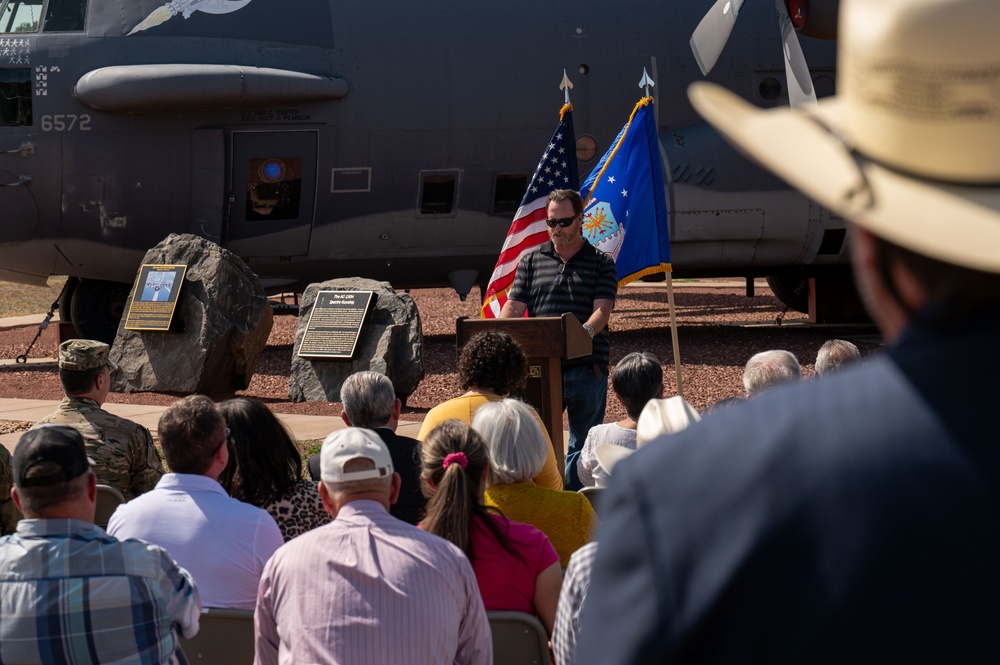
550, 287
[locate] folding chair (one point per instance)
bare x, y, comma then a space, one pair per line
518, 639
108, 499
225, 637
593, 495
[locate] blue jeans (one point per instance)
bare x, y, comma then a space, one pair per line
585, 397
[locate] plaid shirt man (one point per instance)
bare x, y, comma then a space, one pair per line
71, 593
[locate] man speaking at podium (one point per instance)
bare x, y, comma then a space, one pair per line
568, 274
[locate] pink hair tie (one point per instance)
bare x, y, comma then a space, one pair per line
458, 458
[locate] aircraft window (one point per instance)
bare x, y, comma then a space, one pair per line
770, 88
20, 16
437, 193
65, 15
15, 97
824, 85
833, 242
273, 188
508, 192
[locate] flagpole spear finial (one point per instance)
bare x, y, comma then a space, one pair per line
646, 82
566, 86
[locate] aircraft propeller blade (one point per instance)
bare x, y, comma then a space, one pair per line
799, 81
712, 33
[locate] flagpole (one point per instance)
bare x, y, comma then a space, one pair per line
673, 334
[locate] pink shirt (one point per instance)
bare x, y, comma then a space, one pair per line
507, 582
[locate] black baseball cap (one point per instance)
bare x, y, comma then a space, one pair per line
58, 444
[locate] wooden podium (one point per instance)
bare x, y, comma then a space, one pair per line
546, 341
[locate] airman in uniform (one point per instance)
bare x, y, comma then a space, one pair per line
122, 451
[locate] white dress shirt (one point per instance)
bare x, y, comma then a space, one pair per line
222, 542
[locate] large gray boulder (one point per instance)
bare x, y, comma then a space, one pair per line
391, 342
222, 319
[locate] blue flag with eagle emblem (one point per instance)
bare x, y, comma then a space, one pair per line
625, 205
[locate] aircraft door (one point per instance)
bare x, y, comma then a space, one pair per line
272, 199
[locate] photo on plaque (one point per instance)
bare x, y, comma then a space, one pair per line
155, 297
335, 324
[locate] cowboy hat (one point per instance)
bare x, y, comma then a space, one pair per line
659, 416
910, 146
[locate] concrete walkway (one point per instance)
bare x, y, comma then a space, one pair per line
302, 427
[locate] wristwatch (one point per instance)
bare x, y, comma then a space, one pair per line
589, 328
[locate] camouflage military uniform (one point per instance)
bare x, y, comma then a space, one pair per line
8, 512
122, 450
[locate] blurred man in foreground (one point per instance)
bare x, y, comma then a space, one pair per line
852, 519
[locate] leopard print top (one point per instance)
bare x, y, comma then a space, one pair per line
298, 511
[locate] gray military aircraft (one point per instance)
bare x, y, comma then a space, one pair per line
392, 140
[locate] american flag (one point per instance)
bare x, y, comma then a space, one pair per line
556, 170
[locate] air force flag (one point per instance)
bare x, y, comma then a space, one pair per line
625, 206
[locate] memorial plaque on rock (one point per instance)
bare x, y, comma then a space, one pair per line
154, 297
335, 324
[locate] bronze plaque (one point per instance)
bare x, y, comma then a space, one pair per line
335, 324
154, 297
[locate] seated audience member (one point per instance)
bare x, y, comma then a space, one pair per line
368, 589
370, 401
517, 450
491, 367
834, 354
660, 416
265, 468
636, 379
572, 598
223, 542
123, 452
69, 592
516, 566
769, 368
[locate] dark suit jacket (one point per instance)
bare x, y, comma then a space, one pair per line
854, 518
405, 462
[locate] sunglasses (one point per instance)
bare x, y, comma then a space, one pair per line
564, 222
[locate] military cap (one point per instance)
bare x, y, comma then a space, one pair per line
84, 354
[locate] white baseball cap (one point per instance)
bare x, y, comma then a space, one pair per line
353, 443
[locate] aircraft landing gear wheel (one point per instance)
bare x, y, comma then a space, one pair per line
66, 299
97, 307
792, 289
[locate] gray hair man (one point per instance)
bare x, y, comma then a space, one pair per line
834, 354
852, 519
370, 401
767, 369
68, 591
415, 593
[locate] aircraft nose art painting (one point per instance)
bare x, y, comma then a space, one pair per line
186, 8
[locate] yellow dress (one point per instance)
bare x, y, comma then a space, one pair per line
565, 517
462, 408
